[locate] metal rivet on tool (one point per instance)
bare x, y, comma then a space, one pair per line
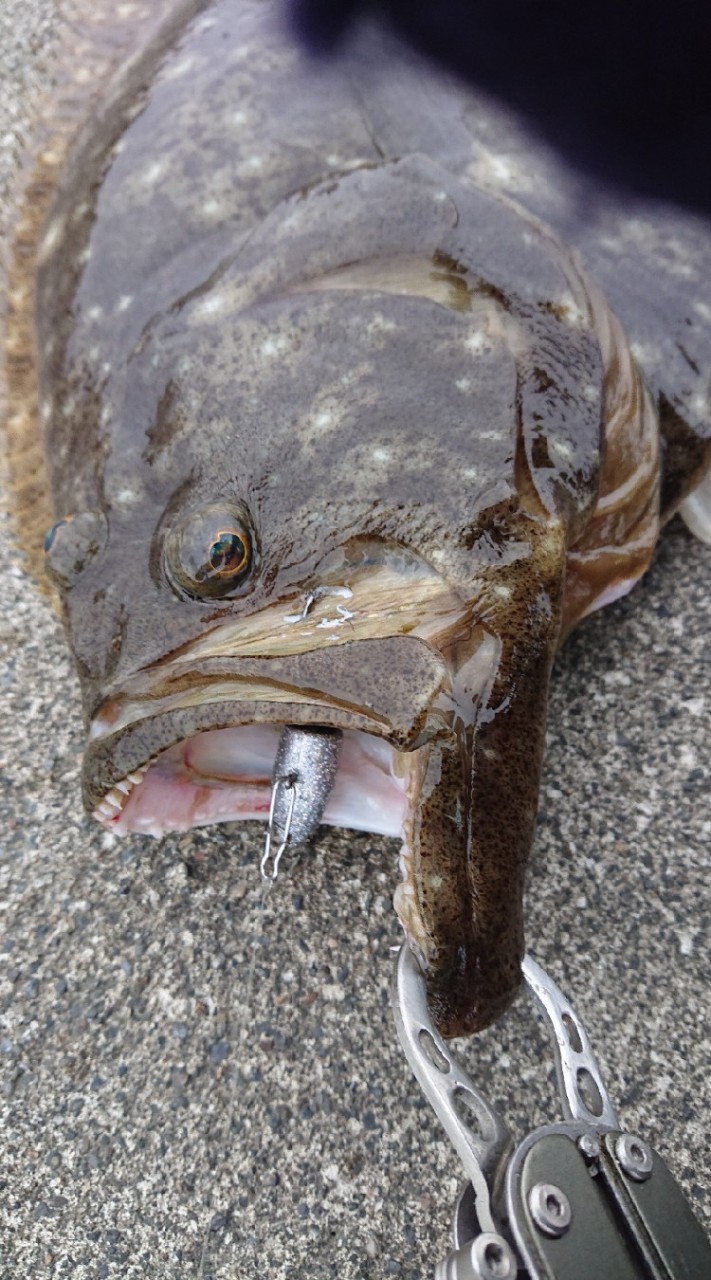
634, 1156
589, 1146
550, 1208
488, 1257
493, 1258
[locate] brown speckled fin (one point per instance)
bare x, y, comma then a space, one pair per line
471, 833
101, 47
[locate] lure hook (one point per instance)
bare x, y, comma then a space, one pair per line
287, 781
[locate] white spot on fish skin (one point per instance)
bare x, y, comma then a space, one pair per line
153, 172
180, 68
334, 161
322, 421
440, 196
51, 237
700, 405
501, 168
380, 324
500, 589
477, 342
124, 302
572, 315
255, 162
470, 473
127, 497
106, 367
703, 309
695, 706
213, 209
379, 454
239, 118
463, 384
644, 354
69, 406
46, 410
273, 346
561, 447
591, 392
205, 24
95, 313
213, 305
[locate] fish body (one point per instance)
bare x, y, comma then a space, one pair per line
340, 432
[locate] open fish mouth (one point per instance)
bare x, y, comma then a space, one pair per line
367, 657
193, 739
226, 775
173, 767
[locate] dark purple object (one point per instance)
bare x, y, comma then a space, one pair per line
621, 87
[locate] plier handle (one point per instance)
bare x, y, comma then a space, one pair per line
576, 1200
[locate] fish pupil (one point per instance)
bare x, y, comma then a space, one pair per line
227, 553
52, 533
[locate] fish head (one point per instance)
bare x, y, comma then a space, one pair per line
336, 486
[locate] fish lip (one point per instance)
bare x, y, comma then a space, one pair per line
383, 711
104, 769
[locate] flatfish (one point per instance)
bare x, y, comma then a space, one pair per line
341, 409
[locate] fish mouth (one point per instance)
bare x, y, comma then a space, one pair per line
198, 743
192, 738
226, 775
435, 751
202, 747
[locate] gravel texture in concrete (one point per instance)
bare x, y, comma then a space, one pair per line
201, 1081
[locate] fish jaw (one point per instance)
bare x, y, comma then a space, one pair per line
439, 743
225, 775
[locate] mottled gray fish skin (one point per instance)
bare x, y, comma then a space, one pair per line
305, 308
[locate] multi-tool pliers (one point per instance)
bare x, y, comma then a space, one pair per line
579, 1200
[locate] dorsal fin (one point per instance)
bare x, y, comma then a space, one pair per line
99, 52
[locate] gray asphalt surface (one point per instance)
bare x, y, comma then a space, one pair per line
201, 1082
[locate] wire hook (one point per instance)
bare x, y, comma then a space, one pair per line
288, 781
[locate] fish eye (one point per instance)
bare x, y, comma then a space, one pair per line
229, 553
210, 553
72, 543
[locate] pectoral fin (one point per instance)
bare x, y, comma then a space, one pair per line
472, 829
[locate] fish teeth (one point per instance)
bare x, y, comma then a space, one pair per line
111, 805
